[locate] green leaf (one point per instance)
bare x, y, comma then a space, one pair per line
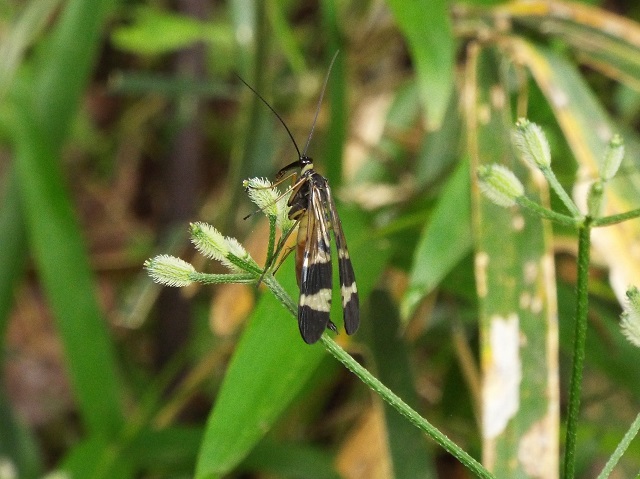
87, 460
285, 36
63, 267
64, 64
410, 455
291, 460
172, 449
440, 149
603, 40
40, 123
269, 367
515, 285
32, 20
17, 445
426, 26
271, 363
155, 32
337, 93
13, 247
402, 115
444, 241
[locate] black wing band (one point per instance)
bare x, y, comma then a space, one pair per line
314, 305
348, 289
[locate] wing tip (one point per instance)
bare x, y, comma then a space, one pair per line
312, 323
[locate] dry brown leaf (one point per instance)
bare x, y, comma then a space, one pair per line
364, 454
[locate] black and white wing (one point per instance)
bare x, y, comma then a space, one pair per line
314, 305
348, 289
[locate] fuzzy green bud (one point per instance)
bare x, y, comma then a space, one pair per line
208, 241
263, 194
169, 270
211, 244
269, 199
532, 144
500, 185
630, 319
613, 158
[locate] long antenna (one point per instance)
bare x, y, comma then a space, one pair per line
324, 87
315, 118
276, 114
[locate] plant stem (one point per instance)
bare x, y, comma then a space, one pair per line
580, 335
549, 214
383, 391
622, 447
562, 194
272, 241
611, 220
210, 278
403, 408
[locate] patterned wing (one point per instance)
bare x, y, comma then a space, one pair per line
348, 290
314, 305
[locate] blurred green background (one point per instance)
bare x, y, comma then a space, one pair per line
121, 122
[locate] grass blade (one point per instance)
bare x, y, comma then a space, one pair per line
516, 289
41, 123
425, 24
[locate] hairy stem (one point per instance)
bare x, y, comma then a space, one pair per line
403, 408
580, 335
548, 214
622, 447
611, 220
562, 194
380, 389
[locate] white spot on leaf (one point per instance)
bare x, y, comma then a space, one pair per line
518, 222
530, 272
538, 449
503, 374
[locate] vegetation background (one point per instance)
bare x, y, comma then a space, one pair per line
121, 122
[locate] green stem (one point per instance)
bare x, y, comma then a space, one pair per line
209, 278
580, 335
403, 408
557, 187
279, 292
244, 264
622, 447
549, 214
383, 391
611, 220
272, 241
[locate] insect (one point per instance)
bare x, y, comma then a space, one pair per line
312, 207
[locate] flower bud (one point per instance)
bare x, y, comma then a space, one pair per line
630, 319
269, 199
532, 144
613, 158
263, 194
500, 185
208, 241
169, 270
